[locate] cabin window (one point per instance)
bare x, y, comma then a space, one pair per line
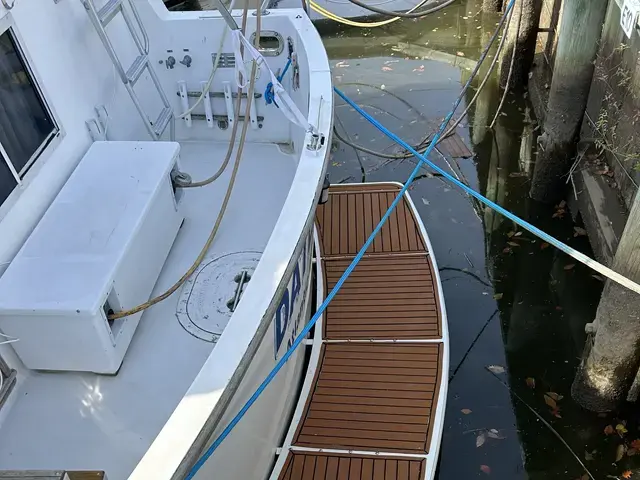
26, 125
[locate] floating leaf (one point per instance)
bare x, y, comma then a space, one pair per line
544, 245
620, 452
387, 69
485, 469
425, 201
621, 429
562, 204
550, 401
517, 234
496, 434
608, 430
513, 244
555, 396
466, 411
511, 234
495, 369
460, 54
480, 439
498, 296
570, 266
627, 474
556, 412
588, 456
631, 452
635, 444
531, 382
506, 250
579, 232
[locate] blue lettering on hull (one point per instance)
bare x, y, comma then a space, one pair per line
291, 301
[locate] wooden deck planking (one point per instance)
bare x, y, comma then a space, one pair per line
387, 297
365, 410
348, 221
378, 397
328, 466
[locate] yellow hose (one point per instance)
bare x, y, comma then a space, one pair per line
332, 16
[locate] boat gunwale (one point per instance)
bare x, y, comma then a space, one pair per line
163, 460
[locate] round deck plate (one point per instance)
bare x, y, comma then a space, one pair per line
202, 308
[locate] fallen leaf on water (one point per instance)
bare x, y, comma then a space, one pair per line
544, 245
608, 430
570, 266
579, 232
506, 250
511, 234
387, 69
498, 296
555, 396
531, 382
550, 401
495, 369
588, 457
342, 64
466, 411
496, 434
517, 174
517, 234
556, 412
419, 69
621, 429
635, 444
627, 474
584, 477
631, 452
620, 452
562, 204
480, 439
425, 201
513, 244
485, 469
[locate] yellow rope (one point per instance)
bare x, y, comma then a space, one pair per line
332, 16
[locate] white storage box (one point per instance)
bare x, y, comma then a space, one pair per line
101, 245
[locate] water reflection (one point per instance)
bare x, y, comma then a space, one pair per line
512, 300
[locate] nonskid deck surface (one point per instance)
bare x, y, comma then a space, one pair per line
87, 421
371, 410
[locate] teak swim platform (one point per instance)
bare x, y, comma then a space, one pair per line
373, 400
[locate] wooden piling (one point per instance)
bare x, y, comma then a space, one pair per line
523, 40
579, 35
612, 356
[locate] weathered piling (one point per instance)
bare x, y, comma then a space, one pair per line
579, 34
523, 40
612, 357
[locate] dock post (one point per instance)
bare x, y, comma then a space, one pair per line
491, 5
578, 40
524, 42
612, 357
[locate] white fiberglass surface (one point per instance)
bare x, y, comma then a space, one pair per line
86, 421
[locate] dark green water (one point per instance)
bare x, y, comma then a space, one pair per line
511, 302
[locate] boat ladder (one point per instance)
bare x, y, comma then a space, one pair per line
100, 19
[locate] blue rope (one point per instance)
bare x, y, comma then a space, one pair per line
268, 93
301, 336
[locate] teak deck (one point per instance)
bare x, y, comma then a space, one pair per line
373, 401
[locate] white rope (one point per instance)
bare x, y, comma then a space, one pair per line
284, 101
